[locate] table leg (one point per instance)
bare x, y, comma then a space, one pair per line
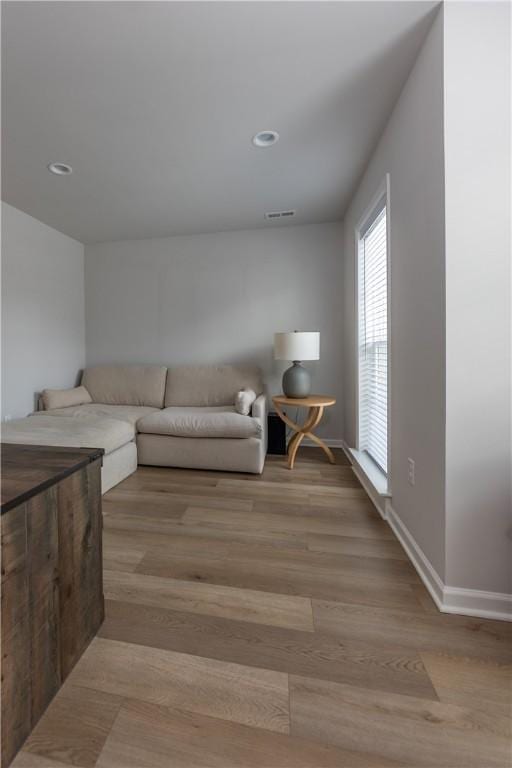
313, 419
324, 447
293, 447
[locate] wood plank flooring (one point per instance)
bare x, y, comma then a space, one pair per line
272, 622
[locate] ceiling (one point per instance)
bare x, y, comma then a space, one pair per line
154, 105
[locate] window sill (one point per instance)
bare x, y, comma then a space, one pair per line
371, 471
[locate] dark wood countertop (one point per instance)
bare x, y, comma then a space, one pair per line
29, 469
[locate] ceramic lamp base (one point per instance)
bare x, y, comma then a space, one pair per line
296, 381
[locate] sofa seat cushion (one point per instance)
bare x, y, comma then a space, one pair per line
85, 432
200, 422
129, 413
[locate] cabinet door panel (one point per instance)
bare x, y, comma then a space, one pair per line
43, 585
80, 567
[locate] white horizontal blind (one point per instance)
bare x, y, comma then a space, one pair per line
373, 339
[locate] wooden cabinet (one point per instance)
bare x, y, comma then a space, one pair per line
52, 586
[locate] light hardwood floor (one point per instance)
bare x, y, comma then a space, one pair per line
272, 622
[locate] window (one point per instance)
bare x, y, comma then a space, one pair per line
373, 336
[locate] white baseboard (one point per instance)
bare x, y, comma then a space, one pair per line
476, 602
466, 602
424, 567
331, 442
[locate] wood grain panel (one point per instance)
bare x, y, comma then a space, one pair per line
28, 760
255, 697
94, 542
14, 541
425, 598
75, 726
348, 510
118, 556
80, 564
177, 475
14, 567
389, 549
457, 635
197, 542
235, 496
306, 578
312, 475
15, 660
186, 495
195, 538
168, 481
480, 684
43, 576
397, 727
301, 653
331, 501
291, 490
16, 692
282, 523
145, 735
158, 506
213, 600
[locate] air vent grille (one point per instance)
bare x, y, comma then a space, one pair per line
280, 214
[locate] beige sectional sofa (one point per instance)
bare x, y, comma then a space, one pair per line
169, 417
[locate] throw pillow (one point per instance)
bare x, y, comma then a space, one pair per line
65, 398
244, 400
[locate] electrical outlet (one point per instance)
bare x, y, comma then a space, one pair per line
411, 471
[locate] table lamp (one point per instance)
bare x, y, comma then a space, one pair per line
297, 346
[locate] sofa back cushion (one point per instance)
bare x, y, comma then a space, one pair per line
209, 385
126, 384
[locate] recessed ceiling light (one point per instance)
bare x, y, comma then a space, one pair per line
265, 138
60, 169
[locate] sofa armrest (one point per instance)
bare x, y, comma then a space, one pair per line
259, 411
259, 408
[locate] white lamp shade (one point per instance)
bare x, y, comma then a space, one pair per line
298, 345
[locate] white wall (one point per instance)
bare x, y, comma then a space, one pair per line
43, 329
411, 151
220, 298
478, 297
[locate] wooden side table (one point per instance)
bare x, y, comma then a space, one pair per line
316, 405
